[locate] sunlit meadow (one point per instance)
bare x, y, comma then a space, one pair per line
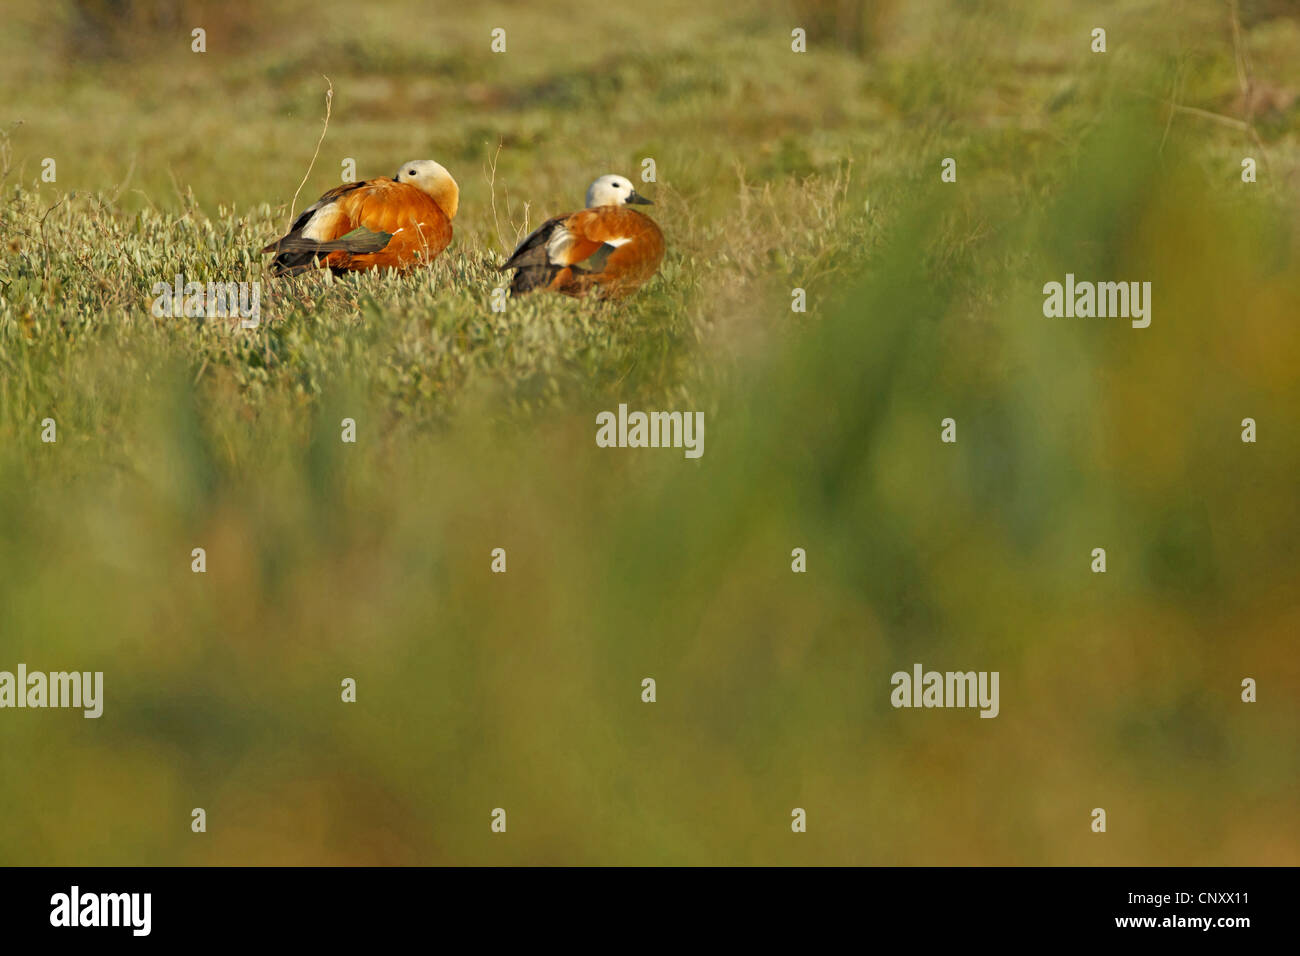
776, 171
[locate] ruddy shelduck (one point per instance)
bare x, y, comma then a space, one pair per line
606, 248
379, 223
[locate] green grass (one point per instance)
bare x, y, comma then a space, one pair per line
476, 430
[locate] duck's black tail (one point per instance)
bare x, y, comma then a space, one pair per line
295, 253
528, 278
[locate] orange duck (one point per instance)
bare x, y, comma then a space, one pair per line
377, 224
606, 248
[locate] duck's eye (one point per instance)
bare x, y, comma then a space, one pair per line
410, 172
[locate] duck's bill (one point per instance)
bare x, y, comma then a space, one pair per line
640, 200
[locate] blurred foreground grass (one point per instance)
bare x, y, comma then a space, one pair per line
476, 431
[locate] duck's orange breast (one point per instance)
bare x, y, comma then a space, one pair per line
638, 248
419, 227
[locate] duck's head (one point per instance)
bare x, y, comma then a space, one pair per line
614, 190
432, 178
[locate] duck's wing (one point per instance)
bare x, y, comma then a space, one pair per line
539, 246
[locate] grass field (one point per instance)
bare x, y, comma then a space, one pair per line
775, 171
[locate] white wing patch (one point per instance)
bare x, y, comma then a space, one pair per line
558, 245
321, 225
